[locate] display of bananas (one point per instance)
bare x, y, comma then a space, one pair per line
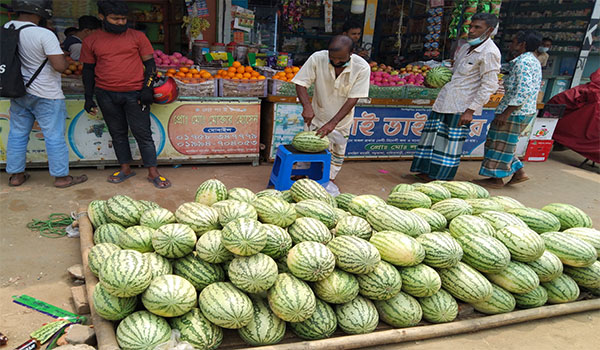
195, 25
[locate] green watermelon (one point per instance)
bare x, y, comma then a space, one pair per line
279, 241
198, 217
98, 255
353, 254
235, 211
287, 196
547, 267
402, 188
389, 218
320, 325
110, 307
341, 214
169, 296
270, 192
291, 299
481, 192
439, 308
570, 249
441, 250
308, 189
174, 240
501, 302
465, 283
211, 191
507, 202
499, 219
420, 280
242, 194
142, 330
311, 261
159, 265
452, 208
439, 76
469, 224
125, 273
484, 253
210, 248
276, 211
361, 205
309, 229
222, 204
400, 311
225, 305
358, 316
265, 328
244, 237
253, 274
408, 200
590, 235
147, 205
536, 298
587, 277
562, 289
199, 272
137, 238
338, 288
123, 210
343, 200
97, 213
524, 244
435, 192
435, 220
197, 330
517, 278
538, 220
108, 233
309, 141
155, 218
460, 189
569, 215
353, 226
381, 284
480, 205
398, 249
317, 209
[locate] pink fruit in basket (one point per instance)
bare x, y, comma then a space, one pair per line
158, 61
158, 52
177, 55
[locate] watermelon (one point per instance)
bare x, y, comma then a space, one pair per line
524, 244
397, 248
125, 273
439, 308
587, 277
381, 284
408, 200
562, 289
265, 328
108, 233
211, 191
321, 324
466, 283
174, 240
499, 219
536, 298
538, 220
110, 307
338, 288
439, 76
358, 316
222, 204
481, 192
225, 305
480, 205
469, 224
199, 272
309, 229
570, 249
147, 205
291, 299
309, 141
311, 261
253, 274
242, 194
460, 189
435, 192
402, 188
279, 241
97, 213
308, 189
197, 330
435, 220
343, 200
360, 205
353, 226
590, 235
389, 218
98, 255
244, 237
270, 192
484, 253
169, 296
420, 280
441, 250
517, 278
159, 265
137, 238
400, 311
353, 254
452, 208
236, 211
155, 218
198, 217
276, 211
569, 215
501, 302
341, 214
317, 209
123, 210
142, 330
287, 196
507, 202
547, 267
210, 248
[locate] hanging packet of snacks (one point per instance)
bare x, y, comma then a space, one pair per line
434, 29
470, 10
456, 17
495, 7
292, 14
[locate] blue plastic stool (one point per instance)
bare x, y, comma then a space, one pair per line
283, 168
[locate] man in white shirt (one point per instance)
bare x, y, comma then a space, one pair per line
475, 79
340, 79
43, 102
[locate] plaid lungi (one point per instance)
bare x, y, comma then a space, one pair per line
440, 147
500, 146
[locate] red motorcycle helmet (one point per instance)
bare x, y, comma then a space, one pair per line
165, 90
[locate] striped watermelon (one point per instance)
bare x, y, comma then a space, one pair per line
197, 330
242, 194
353, 226
480, 205
98, 255
225, 305
361, 205
536, 298
198, 217
435, 192
211, 191
147, 205
309, 141
537, 220
265, 328
481, 192
358, 316
110, 307
439, 308
590, 235
524, 244
125, 273
279, 241
244, 237
276, 211
469, 224
309, 229
159, 265
517, 278
381, 284
137, 238
338, 288
588, 277
402, 188
210, 248
311, 261
570, 249
435, 220
108, 233
155, 218
169, 296
97, 213
199, 272
142, 330
408, 200
308, 189
235, 211
460, 189
291, 299
287, 196
316, 209
353, 254
397, 248
253, 274
547, 267
320, 325
562, 289
341, 214
499, 219
569, 215
466, 283
123, 210
270, 192
507, 202
452, 208
484, 253
343, 200
389, 218
420, 280
400, 311
222, 204
174, 240
441, 250
501, 302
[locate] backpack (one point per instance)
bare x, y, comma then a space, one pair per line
11, 79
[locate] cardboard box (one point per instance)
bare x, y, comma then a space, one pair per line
543, 128
538, 150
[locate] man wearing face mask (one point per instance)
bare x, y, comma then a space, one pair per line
119, 69
542, 51
340, 78
474, 80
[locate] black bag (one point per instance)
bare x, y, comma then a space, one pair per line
11, 79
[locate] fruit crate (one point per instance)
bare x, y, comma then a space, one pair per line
419, 92
284, 88
72, 85
208, 88
251, 88
386, 91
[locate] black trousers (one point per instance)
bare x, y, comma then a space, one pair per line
122, 112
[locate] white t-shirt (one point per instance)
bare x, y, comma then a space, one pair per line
35, 44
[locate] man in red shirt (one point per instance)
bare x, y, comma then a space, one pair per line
118, 66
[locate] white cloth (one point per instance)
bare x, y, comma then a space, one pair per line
35, 44
474, 80
330, 92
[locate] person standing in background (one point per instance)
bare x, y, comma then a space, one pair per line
72, 44
353, 30
541, 53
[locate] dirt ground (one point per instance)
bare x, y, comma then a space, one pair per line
36, 266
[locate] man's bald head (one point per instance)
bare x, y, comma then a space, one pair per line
341, 43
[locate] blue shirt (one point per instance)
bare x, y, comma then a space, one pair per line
522, 85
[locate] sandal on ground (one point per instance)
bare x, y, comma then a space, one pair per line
119, 176
519, 180
488, 183
75, 180
26, 177
160, 182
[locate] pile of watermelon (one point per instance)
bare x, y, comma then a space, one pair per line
306, 261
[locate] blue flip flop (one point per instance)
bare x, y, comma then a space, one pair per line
157, 181
119, 176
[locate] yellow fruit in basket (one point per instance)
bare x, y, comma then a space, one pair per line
288, 70
189, 75
247, 75
236, 64
194, 71
254, 74
196, 76
261, 77
289, 76
241, 70
184, 69
205, 75
295, 69
249, 69
180, 74
171, 70
239, 76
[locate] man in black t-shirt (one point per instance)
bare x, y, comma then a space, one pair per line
72, 44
